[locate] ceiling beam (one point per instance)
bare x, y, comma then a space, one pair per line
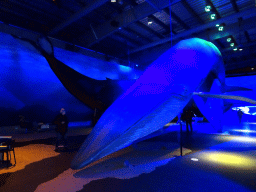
83, 12
155, 19
175, 17
160, 23
123, 20
138, 34
33, 36
247, 36
133, 3
140, 24
182, 23
152, 3
192, 12
131, 42
249, 12
23, 13
234, 5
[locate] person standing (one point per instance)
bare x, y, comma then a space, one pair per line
240, 114
187, 115
61, 122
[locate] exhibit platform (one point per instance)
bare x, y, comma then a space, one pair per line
210, 162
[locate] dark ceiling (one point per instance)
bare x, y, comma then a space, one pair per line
121, 29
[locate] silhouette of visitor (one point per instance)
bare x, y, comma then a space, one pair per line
187, 116
240, 114
61, 122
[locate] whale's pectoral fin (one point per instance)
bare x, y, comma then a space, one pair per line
224, 96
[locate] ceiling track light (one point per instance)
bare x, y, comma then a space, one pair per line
113, 1
213, 16
221, 28
237, 49
229, 39
207, 8
149, 21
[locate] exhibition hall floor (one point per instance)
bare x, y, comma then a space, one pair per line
210, 162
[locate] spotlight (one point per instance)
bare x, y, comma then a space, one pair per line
240, 49
194, 159
213, 16
232, 44
229, 39
217, 25
221, 28
252, 68
235, 49
150, 21
113, 1
207, 8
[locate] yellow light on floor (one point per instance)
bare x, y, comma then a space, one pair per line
230, 159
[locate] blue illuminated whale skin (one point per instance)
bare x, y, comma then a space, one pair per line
157, 97
96, 94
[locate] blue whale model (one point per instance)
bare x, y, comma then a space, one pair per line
96, 94
189, 68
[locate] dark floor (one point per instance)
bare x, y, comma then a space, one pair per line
216, 163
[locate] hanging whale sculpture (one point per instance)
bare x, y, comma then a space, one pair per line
193, 68
96, 94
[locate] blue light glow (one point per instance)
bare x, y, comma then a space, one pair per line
28, 83
125, 68
156, 98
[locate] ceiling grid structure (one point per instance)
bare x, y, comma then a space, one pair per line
120, 29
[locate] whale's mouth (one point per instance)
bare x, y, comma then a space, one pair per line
134, 131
